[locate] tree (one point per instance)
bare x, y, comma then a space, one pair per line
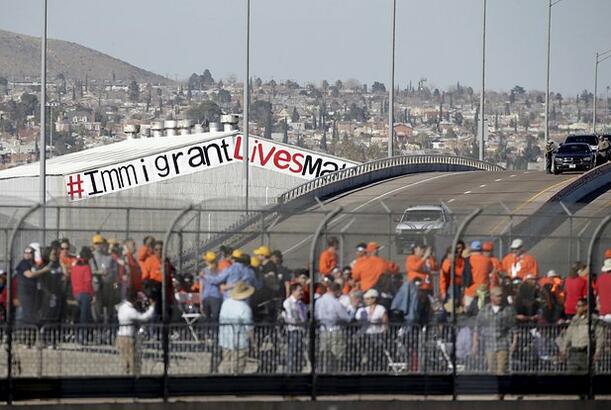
258, 82
261, 112
378, 87
325, 85
194, 82
518, 90
207, 78
224, 97
292, 85
207, 111
339, 85
285, 136
133, 91
294, 115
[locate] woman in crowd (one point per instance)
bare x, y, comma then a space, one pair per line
82, 286
374, 318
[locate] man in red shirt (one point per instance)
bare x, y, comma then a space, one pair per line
604, 291
518, 263
328, 257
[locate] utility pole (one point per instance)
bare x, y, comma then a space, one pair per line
246, 159
598, 60
549, 31
42, 149
391, 91
483, 96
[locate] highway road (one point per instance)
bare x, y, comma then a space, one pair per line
521, 192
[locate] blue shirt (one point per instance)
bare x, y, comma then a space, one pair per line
233, 274
330, 313
235, 323
211, 290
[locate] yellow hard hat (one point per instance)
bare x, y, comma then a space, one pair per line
210, 257
97, 239
255, 262
263, 251
237, 254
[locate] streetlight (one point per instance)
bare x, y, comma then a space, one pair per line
606, 55
391, 91
245, 156
483, 96
607, 107
42, 149
549, 32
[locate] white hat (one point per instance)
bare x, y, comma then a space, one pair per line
517, 243
371, 293
607, 266
552, 273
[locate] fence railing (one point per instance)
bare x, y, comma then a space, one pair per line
278, 349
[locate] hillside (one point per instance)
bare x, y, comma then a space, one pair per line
20, 57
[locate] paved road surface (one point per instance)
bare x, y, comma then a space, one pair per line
522, 192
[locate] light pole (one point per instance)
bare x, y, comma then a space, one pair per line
483, 96
391, 91
549, 32
42, 149
607, 108
245, 157
598, 60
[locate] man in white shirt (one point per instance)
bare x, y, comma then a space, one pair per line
295, 316
129, 319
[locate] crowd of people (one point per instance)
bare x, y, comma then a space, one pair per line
119, 282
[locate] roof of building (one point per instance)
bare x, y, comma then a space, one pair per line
109, 154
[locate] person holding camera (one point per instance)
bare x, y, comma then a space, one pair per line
132, 311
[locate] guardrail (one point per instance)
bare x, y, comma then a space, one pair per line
342, 180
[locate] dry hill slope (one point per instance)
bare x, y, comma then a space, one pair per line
20, 57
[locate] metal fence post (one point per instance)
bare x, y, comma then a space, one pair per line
599, 229
312, 346
164, 305
570, 215
459, 233
57, 221
127, 218
262, 228
579, 235
9, 302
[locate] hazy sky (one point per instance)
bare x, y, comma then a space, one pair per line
311, 40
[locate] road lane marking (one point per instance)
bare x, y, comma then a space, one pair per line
467, 192
530, 200
498, 179
451, 200
512, 175
482, 185
297, 245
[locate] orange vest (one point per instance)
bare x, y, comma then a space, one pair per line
481, 266
152, 269
414, 266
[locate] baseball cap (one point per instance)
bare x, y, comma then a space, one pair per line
517, 244
487, 246
371, 293
210, 256
372, 246
97, 239
237, 254
361, 247
263, 251
552, 273
476, 246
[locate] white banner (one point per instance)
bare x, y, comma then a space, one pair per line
290, 161
199, 157
146, 170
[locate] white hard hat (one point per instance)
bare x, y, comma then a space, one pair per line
516, 244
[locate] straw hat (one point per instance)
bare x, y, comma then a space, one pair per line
241, 291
